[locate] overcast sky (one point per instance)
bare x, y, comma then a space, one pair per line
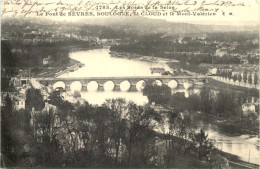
234, 15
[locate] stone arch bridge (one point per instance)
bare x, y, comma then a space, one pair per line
123, 83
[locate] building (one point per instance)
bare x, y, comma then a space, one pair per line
221, 52
47, 61
212, 71
19, 103
202, 37
248, 108
244, 61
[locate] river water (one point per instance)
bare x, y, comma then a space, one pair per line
99, 63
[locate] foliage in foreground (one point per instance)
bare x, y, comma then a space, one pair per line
115, 134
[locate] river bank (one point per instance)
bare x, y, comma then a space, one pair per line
138, 57
56, 71
71, 66
229, 145
223, 125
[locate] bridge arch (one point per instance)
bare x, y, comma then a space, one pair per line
125, 85
188, 84
173, 84
109, 85
92, 86
76, 85
140, 85
59, 84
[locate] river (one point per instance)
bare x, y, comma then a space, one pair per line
99, 63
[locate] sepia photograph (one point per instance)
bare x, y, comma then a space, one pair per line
130, 84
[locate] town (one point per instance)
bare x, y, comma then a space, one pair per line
203, 74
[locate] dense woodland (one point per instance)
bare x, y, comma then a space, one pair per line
16, 54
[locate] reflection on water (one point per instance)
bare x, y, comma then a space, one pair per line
246, 147
100, 97
98, 63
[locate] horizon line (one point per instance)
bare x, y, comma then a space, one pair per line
214, 23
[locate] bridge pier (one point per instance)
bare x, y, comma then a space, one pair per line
133, 88
84, 88
67, 87
101, 87
180, 86
117, 88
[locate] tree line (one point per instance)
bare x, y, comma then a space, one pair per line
245, 76
222, 104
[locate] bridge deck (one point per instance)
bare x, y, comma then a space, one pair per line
128, 77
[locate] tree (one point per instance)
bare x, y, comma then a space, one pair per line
7, 57
201, 144
224, 104
218, 72
179, 101
57, 100
205, 100
140, 138
180, 131
7, 119
15, 133
239, 78
117, 107
222, 74
47, 147
245, 76
229, 75
226, 74
194, 102
255, 79
34, 99
235, 78
103, 133
250, 80
157, 94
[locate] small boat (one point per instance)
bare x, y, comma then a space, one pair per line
157, 70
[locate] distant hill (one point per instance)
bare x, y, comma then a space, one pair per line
146, 25
143, 25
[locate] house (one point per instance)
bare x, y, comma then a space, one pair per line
212, 71
180, 38
248, 108
235, 73
244, 61
19, 103
221, 52
18, 100
202, 37
255, 41
47, 61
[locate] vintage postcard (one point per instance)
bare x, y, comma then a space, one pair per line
130, 84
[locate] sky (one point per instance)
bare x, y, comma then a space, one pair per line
229, 12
